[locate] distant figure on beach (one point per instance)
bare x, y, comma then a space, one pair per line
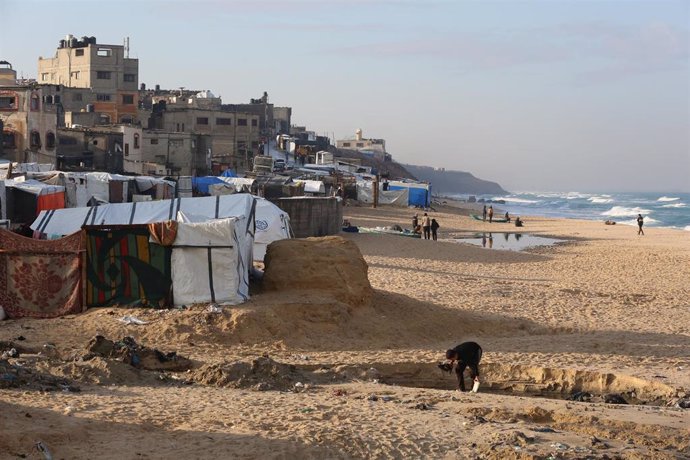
640, 222
507, 217
483, 240
467, 354
434, 229
415, 221
491, 213
484, 214
518, 222
426, 226
491, 241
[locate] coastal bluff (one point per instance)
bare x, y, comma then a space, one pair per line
447, 181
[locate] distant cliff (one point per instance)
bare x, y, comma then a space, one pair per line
445, 181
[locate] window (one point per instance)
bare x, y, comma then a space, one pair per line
154, 141
8, 140
45, 76
130, 77
126, 119
128, 99
50, 141
79, 52
35, 139
104, 52
104, 119
76, 97
102, 97
67, 141
255, 122
177, 128
35, 102
241, 122
223, 121
8, 102
346, 144
48, 99
56, 99
202, 121
74, 75
126, 150
136, 141
103, 75
360, 144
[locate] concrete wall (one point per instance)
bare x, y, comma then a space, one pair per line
313, 216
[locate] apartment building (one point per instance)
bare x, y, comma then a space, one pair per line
108, 76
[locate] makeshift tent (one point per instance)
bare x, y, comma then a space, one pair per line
40, 279
365, 194
200, 184
24, 199
241, 184
312, 186
419, 193
211, 261
124, 267
272, 224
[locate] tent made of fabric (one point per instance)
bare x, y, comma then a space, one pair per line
241, 184
419, 193
365, 194
40, 279
65, 221
29, 198
124, 267
312, 186
200, 184
211, 261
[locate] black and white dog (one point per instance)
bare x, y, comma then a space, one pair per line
464, 355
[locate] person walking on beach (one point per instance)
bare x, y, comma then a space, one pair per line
415, 221
491, 213
640, 222
484, 214
426, 226
434, 229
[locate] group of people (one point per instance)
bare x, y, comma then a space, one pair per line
428, 226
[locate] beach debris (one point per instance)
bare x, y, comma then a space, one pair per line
339, 392
446, 367
523, 439
372, 398
17, 376
560, 446
423, 406
130, 352
544, 429
273, 375
614, 398
128, 319
475, 387
214, 308
683, 403
11, 353
43, 449
581, 396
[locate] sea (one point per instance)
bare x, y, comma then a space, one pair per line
670, 210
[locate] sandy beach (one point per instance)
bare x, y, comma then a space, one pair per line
339, 370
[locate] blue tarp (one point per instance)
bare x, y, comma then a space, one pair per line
200, 184
417, 196
228, 173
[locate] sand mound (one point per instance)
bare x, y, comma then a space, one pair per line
330, 265
130, 352
261, 374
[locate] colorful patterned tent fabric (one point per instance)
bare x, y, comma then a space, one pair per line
40, 279
124, 267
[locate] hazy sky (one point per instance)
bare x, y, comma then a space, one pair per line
536, 95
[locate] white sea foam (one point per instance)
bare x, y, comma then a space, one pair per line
687, 228
601, 199
509, 199
622, 211
647, 221
674, 205
668, 198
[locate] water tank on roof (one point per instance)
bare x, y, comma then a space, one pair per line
158, 88
92, 40
90, 108
73, 42
142, 87
62, 44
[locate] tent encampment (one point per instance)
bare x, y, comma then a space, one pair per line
365, 194
419, 193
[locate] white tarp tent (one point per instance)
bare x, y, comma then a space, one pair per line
210, 262
312, 186
272, 224
365, 194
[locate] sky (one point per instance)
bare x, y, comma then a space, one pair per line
536, 95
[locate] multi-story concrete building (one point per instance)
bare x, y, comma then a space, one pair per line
106, 70
374, 147
29, 117
103, 148
178, 153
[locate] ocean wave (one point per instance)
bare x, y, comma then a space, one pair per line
687, 228
674, 205
601, 199
508, 199
668, 198
647, 221
622, 211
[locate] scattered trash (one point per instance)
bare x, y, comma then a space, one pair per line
423, 406
42, 448
387, 398
307, 410
372, 398
214, 308
339, 393
11, 353
683, 403
581, 396
130, 352
475, 387
614, 398
560, 446
304, 357
544, 429
127, 319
